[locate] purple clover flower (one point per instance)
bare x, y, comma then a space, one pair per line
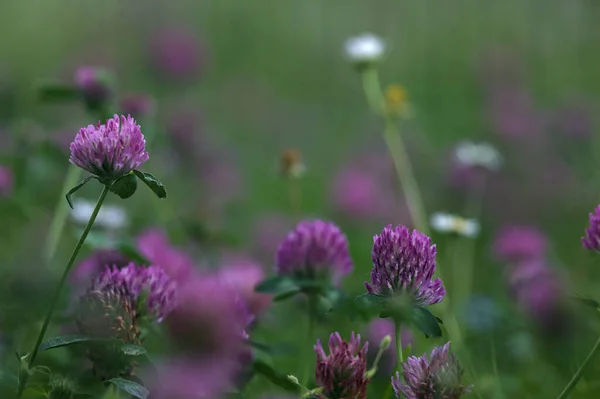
314, 249
539, 292
268, 230
177, 53
154, 245
138, 105
357, 194
92, 266
6, 181
404, 262
93, 83
149, 283
243, 274
517, 243
109, 313
210, 319
342, 373
591, 239
513, 113
111, 150
574, 120
440, 376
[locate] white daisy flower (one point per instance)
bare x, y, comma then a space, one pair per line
483, 155
448, 223
110, 217
366, 48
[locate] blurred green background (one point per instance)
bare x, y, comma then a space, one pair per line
272, 76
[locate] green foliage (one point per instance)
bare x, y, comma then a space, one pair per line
131, 387
153, 183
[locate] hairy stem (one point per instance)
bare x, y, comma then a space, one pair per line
61, 284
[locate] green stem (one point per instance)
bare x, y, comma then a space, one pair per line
466, 257
398, 333
310, 333
61, 214
577, 376
495, 366
405, 173
404, 170
397, 150
61, 284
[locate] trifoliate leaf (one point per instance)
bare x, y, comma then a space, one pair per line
153, 183
426, 322
131, 387
125, 186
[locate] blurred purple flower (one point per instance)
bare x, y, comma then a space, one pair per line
574, 120
94, 84
184, 125
365, 189
109, 312
192, 378
470, 163
92, 266
154, 245
520, 242
6, 181
539, 292
314, 249
242, 274
462, 176
138, 105
342, 373
177, 53
499, 67
111, 150
356, 194
513, 113
377, 330
591, 239
404, 262
150, 284
268, 231
440, 376
222, 178
210, 319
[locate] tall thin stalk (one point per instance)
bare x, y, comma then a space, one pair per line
59, 288
577, 376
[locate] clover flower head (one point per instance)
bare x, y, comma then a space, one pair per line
591, 239
440, 376
404, 262
149, 284
111, 150
342, 373
314, 249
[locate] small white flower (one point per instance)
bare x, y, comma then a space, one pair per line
448, 223
110, 217
478, 154
365, 48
